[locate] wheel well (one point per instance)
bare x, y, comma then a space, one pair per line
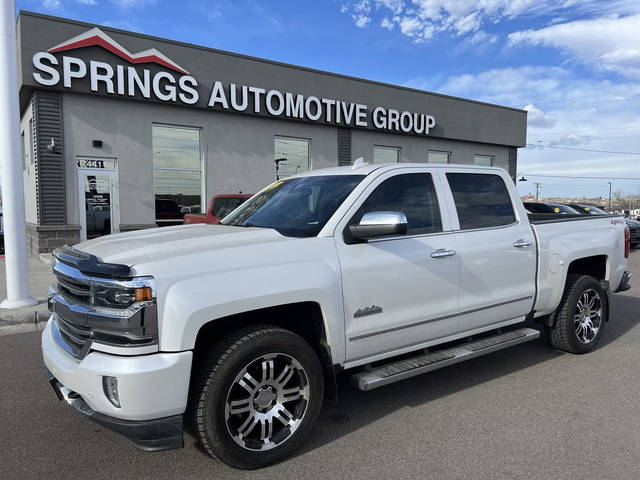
303, 318
595, 267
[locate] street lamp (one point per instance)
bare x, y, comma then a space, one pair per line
609, 196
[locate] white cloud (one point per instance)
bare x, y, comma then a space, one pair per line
421, 20
537, 118
133, 3
567, 110
52, 4
386, 23
609, 44
361, 21
87, 2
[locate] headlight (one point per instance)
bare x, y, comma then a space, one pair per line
124, 312
122, 294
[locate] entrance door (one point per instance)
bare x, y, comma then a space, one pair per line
98, 197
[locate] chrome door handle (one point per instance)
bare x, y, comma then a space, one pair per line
521, 243
442, 252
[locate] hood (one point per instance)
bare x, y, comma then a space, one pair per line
152, 244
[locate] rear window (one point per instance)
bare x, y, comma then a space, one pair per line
482, 201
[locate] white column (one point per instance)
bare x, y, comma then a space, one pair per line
11, 165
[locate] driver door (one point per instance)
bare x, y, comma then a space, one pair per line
397, 294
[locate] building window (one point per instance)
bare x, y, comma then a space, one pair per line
484, 160
434, 156
386, 154
291, 155
177, 172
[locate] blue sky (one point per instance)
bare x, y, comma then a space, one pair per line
575, 65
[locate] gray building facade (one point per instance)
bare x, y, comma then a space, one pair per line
124, 131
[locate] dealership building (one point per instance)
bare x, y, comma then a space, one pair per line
122, 131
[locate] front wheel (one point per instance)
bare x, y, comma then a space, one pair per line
260, 393
581, 315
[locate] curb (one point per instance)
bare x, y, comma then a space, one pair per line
22, 328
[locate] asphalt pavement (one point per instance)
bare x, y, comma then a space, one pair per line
525, 412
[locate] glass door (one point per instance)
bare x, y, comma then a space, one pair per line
98, 198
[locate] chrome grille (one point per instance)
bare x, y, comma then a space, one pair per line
76, 337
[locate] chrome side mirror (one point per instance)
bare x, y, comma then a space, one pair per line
379, 224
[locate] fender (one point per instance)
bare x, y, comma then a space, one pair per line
191, 303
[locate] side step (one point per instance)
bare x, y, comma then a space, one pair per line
428, 362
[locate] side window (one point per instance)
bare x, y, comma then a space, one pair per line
481, 200
414, 195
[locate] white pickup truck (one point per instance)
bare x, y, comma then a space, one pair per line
237, 331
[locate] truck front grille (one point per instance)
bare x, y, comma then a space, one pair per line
76, 337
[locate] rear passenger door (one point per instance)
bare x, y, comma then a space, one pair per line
497, 250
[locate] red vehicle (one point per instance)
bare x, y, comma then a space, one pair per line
220, 207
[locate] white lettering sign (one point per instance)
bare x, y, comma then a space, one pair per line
166, 86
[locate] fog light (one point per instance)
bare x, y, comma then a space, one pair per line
110, 387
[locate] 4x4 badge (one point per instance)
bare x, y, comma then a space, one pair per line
363, 312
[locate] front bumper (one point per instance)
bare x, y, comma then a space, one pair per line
152, 389
149, 435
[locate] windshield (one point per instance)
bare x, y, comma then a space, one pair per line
563, 209
295, 207
593, 210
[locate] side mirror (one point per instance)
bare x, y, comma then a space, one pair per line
379, 224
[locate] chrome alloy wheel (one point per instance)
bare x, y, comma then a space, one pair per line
267, 402
588, 317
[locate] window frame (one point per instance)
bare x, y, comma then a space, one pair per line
445, 217
385, 147
453, 210
299, 139
202, 168
439, 151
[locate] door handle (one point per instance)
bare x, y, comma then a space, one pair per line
442, 252
522, 243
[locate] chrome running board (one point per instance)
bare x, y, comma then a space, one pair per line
428, 362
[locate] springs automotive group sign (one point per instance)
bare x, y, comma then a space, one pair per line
172, 83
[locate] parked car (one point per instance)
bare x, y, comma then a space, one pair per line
220, 207
634, 225
550, 207
383, 271
168, 212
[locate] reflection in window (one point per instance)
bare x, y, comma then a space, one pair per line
295, 151
482, 201
177, 172
437, 157
386, 154
412, 194
484, 160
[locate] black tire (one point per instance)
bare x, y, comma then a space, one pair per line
218, 380
564, 335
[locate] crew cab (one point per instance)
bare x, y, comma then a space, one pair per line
384, 271
220, 206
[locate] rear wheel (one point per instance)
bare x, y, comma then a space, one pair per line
581, 315
259, 396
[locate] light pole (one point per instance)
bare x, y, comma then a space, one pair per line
609, 196
15, 244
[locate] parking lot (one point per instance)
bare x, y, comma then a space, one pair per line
526, 412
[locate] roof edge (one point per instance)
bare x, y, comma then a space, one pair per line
258, 59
